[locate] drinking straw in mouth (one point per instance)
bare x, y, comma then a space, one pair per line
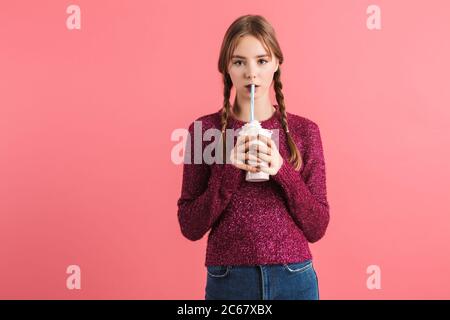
252, 103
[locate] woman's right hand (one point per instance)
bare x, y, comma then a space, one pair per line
240, 153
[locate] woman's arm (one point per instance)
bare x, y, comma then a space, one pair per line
206, 191
307, 197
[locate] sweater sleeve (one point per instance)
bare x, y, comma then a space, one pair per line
205, 192
307, 195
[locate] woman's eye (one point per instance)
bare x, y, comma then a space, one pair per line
258, 60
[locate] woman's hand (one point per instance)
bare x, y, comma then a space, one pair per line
240, 153
268, 153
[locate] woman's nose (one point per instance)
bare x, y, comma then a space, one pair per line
251, 75
251, 71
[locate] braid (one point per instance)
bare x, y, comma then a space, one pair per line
295, 157
225, 111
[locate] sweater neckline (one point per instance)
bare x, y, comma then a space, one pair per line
264, 123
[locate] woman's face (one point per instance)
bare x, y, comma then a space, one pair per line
250, 63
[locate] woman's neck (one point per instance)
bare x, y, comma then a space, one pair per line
262, 110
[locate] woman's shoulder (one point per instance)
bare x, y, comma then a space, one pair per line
207, 121
306, 132
300, 124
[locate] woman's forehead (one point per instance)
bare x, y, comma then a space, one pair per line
250, 46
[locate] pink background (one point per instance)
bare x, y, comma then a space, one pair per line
86, 117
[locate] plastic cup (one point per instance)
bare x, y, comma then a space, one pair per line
253, 129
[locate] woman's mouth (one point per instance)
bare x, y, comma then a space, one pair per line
249, 88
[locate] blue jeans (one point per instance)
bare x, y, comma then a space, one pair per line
292, 281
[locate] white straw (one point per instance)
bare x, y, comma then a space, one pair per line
252, 103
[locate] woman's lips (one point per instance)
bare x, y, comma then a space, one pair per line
249, 88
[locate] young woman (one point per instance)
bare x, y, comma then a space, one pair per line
258, 244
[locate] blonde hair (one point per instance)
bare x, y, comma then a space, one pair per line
260, 28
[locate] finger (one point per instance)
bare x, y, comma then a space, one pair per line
246, 167
248, 159
264, 157
244, 145
242, 157
244, 139
251, 168
263, 148
238, 153
240, 141
248, 162
252, 159
265, 139
240, 147
265, 169
250, 146
240, 164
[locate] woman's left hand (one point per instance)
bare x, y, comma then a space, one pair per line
269, 154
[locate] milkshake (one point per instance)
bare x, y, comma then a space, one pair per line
253, 128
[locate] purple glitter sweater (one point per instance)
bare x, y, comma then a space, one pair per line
255, 223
